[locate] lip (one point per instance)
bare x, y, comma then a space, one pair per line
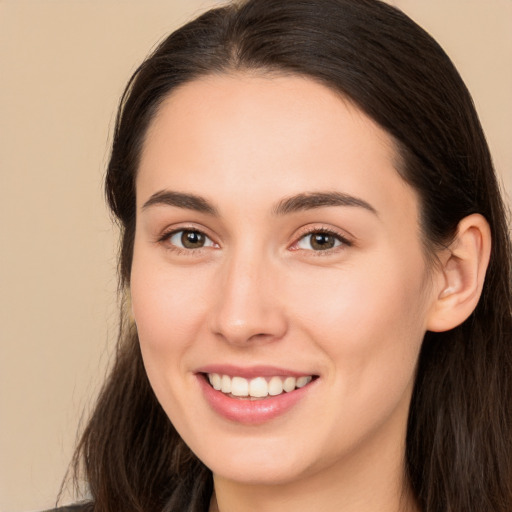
246, 411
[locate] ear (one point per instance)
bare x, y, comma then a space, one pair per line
461, 275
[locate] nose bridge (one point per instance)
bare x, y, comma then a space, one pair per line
247, 307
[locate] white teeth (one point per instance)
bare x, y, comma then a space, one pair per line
225, 384
215, 381
239, 386
289, 384
302, 381
275, 386
259, 387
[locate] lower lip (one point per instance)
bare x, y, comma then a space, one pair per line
252, 412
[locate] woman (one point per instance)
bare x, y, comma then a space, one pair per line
314, 316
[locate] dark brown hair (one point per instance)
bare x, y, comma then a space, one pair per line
459, 441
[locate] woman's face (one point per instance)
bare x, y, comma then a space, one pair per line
276, 245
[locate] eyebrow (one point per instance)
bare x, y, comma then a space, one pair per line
296, 203
181, 200
308, 201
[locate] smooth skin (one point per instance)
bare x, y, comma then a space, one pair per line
237, 279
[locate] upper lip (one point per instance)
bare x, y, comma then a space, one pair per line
250, 372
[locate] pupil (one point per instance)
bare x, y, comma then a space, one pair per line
192, 239
322, 241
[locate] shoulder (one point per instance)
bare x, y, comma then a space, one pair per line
79, 507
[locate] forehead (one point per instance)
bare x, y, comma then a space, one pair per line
281, 109
268, 134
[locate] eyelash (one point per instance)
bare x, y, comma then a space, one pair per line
165, 240
343, 241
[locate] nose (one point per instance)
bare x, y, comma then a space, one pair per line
248, 307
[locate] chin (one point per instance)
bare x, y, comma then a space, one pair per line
255, 463
272, 472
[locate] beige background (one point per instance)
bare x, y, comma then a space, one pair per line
63, 66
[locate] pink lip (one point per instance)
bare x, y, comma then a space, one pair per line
251, 412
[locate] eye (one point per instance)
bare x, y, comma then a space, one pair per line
320, 241
189, 239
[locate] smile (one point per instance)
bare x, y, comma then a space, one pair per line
262, 394
258, 387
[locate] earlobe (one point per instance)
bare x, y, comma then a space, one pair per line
461, 275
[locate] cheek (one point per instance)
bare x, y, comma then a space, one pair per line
168, 306
369, 320
169, 312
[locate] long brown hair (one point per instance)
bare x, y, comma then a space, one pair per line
459, 441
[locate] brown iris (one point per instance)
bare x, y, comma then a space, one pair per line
192, 239
322, 241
